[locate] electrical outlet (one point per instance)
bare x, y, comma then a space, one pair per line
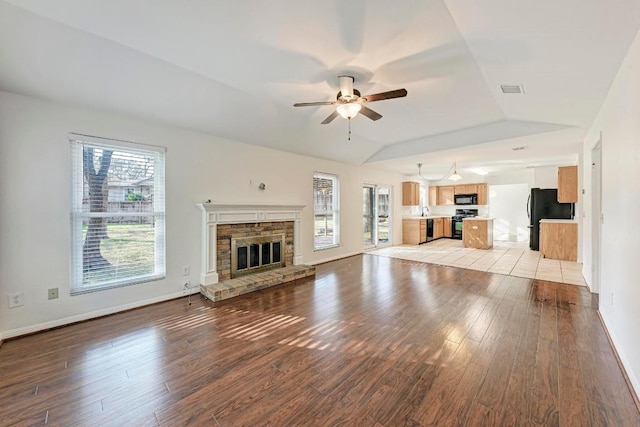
16, 300
186, 270
53, 293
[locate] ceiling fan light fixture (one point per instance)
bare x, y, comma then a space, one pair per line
348, 110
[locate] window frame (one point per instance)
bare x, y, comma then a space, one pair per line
77, 143
334, 213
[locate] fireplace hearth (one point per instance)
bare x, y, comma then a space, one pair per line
222, 222
253, 238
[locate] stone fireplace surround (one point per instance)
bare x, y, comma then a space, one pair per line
220, 220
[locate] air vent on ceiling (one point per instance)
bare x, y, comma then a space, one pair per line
512, 88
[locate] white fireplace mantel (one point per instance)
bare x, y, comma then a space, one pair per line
214, 214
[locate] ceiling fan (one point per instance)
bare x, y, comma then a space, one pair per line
349, 102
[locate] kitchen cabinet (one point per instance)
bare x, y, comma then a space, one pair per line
445, 194
568, 184
481, 190
410, 193
559, 239
447, 227
433, 195
460, 189
477, 233
438, 228
414, 231
466, 189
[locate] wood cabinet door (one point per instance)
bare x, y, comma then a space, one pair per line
438, 228
481, 189
460, 189
568, 184
411, 231
410, 193
559, 241
445, 195
433, 195
447, 227
471, 188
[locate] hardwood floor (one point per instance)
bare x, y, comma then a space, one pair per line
370, 341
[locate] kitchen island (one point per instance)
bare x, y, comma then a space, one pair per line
559, 239
477, 232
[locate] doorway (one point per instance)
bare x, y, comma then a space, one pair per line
376, 216
596, 214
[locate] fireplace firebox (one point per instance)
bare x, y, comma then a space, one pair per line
256, 253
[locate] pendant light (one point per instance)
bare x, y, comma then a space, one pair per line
455, 176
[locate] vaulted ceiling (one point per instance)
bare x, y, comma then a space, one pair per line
235, 69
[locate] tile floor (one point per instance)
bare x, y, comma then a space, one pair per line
509, 258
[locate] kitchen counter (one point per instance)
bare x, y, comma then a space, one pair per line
558, 221
477, 232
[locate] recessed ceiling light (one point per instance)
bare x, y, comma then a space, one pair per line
520, 148
512, 88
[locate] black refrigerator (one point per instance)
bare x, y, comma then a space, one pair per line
543, 204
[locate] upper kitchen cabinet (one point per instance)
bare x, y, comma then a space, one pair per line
466, 189
433, 195
481, 190
568, 184
410, 193
460, 189
445, 195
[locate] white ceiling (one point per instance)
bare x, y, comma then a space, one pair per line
235, 68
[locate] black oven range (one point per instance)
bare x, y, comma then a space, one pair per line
456, 221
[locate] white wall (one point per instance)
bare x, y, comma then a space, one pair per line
545, 177
619, 121
523, 176
35, 198
508, 207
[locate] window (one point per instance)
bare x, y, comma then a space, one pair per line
326, 211
117, 213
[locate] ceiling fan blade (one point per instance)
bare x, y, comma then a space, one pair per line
398, 93
330, 118
368, 112
310, 104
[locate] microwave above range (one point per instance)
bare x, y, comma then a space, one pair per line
465, 199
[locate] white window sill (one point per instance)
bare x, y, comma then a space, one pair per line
116, 284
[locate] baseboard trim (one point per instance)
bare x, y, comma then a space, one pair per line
630, 379
41, 327
334, 258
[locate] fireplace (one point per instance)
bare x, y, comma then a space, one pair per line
255, 254
270, 234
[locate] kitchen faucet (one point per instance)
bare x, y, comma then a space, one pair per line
423, 208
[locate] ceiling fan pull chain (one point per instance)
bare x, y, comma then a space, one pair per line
349, 129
